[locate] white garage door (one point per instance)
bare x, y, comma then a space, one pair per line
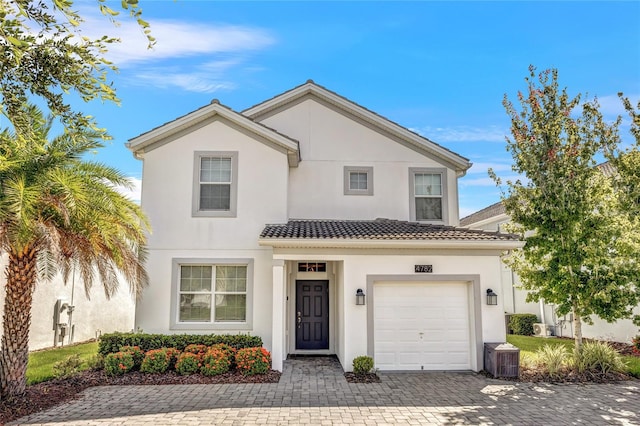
422, 326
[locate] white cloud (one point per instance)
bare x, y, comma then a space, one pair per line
175, 39
611, 105
463, 134
135, 192
483, 167
485, 181
207, 78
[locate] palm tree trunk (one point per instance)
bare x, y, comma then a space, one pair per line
14, 354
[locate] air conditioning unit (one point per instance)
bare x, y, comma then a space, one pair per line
541, 330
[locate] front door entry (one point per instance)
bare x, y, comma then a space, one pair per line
312, 314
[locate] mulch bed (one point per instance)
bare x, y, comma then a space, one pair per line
45, 395
362, 378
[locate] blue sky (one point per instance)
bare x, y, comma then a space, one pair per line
439, 68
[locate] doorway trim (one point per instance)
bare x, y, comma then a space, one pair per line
295, 276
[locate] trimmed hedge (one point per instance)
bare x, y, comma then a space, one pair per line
112, 342
522, 324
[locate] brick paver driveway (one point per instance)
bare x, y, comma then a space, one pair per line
313, 391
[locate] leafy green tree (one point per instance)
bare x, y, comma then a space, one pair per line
581, 250
44, 54
58, 212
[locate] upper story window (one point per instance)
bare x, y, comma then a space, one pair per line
428, 194
215, 183
358, 180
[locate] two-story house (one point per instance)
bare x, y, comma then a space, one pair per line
320, 226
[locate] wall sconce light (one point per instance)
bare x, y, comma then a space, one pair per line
492, 298
359, 297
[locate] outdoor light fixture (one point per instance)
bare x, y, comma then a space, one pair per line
359, 297
492, 298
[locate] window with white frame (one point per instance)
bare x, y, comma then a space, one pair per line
428, 194
358, 180
215, 183
211, 292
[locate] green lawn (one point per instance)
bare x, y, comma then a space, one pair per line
529, 344
40, 367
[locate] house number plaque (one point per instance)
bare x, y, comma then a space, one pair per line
424, 268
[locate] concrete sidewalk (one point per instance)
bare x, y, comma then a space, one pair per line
313, 391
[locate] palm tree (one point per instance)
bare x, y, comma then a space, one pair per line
57, 212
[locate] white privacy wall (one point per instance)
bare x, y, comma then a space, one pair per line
91, 317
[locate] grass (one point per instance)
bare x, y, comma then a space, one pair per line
40, 367
529, 345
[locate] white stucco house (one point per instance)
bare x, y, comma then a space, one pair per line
271, 220
61, 312
494, 218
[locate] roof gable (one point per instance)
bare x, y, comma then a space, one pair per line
312, 90
156, 137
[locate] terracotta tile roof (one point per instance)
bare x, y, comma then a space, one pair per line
379, 229
486, 213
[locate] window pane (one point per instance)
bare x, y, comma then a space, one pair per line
195, 307
215, 169
428, 184
358, 180
215, 197
195, 278
231, 307
428, 208
231, 279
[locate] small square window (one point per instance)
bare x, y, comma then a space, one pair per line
358, 180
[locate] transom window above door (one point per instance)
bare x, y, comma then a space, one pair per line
215, 183
358, 180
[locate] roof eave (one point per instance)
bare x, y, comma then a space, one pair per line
138, 144
369, 243
461, 164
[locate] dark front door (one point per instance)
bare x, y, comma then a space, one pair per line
312, 314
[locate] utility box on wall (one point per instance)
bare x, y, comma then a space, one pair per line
501, 360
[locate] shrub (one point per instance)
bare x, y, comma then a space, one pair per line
598, 357
215, 362
172, 356
522, 324
96, 362
552, 359
362, 365
155, 361
118, 363
199, 350
136, 353
188, 363
636, 344
112, 342
252, 361
68, 367
229, 351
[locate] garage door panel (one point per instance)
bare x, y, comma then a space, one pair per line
421, 326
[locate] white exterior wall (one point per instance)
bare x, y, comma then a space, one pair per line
167, 199
91, 317
329, 141
351, 338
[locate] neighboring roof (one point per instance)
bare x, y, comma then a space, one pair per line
493, 210
422, 144
379, 230
148, 140
498, 209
